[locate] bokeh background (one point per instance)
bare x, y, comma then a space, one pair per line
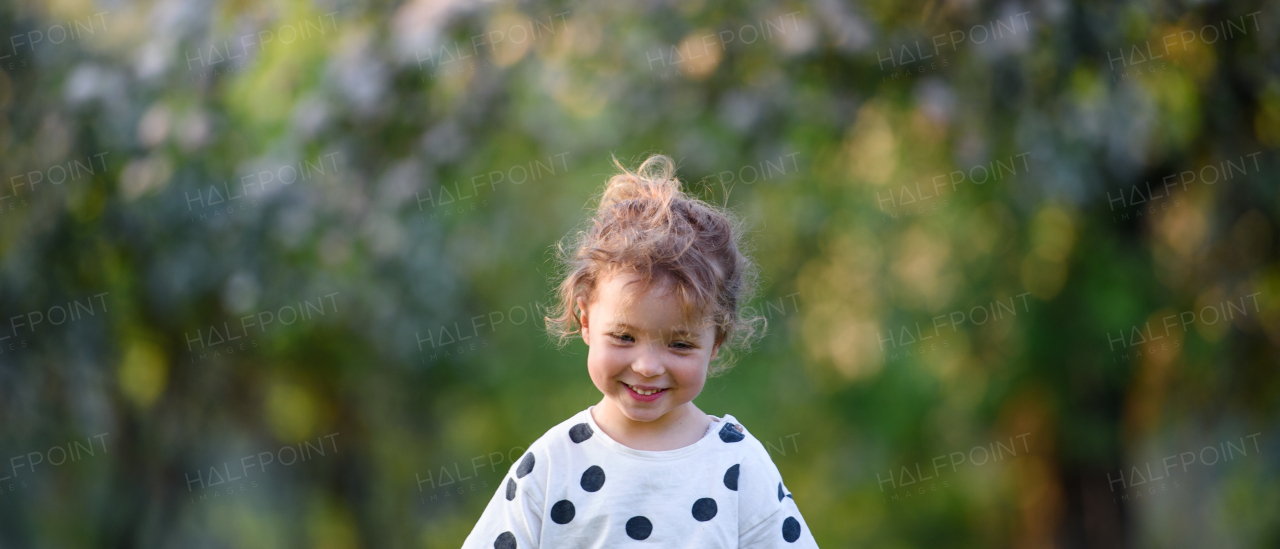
323, 231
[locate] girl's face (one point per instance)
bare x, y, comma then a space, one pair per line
642, 341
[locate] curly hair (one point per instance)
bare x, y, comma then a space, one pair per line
645, 224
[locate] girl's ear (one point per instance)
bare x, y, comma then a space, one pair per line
582, 319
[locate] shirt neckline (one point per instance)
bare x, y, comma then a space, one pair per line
707, 439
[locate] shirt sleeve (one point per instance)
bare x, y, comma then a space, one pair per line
769, 514
785, 528
513, 518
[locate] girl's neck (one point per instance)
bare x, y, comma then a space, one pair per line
676, 429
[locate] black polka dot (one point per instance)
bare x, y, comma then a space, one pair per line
781, 494
506, 540
791, 529
639, 528
562, 512
730, 433
704, 509
731, 478
580, 432
526, 465
511, 489
593, 478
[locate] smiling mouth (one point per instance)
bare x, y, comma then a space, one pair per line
644, 392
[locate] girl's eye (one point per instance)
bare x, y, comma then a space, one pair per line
623, 337
682, 345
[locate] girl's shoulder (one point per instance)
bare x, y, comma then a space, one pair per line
551, 438
531, 471
740, 439
560, 436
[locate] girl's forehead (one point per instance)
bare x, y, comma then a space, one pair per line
628, 284
646, 304
657, 313
641, 305
630, 292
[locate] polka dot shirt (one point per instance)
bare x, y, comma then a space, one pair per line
576, 487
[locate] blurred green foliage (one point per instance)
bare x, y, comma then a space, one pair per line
393, 177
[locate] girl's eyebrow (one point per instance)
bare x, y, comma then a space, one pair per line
678, 332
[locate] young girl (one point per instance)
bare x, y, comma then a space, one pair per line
655, 287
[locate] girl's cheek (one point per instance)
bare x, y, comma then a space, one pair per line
607, 360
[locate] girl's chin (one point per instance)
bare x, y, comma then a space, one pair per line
645, 415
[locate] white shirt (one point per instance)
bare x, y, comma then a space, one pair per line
578, 488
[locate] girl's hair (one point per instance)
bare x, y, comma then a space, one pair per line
647, 225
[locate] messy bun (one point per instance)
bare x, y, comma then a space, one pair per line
646, 224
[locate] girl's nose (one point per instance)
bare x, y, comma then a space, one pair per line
648, 363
